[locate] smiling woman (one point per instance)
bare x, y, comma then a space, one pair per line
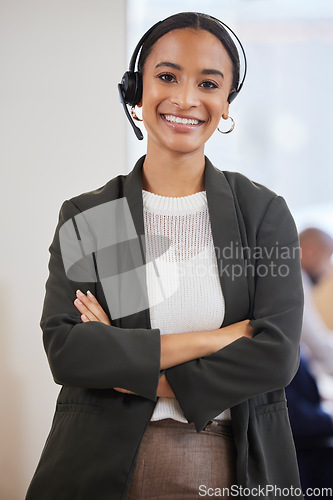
184, 88
174, 365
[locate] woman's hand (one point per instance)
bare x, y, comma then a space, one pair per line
163, 390
124, 391
228, 334
238, 330
90, 308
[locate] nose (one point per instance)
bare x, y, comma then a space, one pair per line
185, 96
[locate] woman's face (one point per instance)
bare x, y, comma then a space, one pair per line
186, 82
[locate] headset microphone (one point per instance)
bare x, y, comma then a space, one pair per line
130, 88
136, 129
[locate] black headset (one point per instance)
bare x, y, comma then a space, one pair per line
130, 88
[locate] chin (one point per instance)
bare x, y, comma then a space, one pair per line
182, 146
184, 150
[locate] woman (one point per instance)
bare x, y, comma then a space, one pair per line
173, 367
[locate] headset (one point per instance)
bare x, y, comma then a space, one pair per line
130, 88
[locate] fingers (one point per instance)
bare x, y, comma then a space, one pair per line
90, 308
248, 329
124, 391
82, 307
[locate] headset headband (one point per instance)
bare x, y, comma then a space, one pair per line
139, 46
146, 35
243, 52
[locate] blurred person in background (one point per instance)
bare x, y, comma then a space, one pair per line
316, 252
311, 421
323, 298
309, 395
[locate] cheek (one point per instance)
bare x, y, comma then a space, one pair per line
218, 109
151, 102
151, 90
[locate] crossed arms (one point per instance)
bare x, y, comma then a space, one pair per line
207, 372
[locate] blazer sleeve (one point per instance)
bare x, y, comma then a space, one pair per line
248, 367
93, 354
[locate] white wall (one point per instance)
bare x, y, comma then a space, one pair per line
63, 132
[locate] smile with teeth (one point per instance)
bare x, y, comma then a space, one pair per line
183, 121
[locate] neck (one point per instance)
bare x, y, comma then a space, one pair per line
175, 174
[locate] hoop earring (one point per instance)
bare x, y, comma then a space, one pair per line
230, 129
134, 115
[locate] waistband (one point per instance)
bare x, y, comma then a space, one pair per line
214, 426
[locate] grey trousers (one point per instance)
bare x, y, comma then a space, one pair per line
177, 463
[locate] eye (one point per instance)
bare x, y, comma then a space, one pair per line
207, 84
167, 77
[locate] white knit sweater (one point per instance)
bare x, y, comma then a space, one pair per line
187, 295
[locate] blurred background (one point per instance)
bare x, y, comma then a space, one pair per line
64, 132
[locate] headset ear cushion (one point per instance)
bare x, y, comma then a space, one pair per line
138, 88
128, 84
233, 94
132, 87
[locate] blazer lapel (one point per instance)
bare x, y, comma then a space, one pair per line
226, 237
133, 193
228, 244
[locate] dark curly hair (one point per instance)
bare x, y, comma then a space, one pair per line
195, 21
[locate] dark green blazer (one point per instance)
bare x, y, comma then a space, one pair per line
92, 447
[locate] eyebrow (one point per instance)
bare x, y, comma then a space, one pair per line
179, 68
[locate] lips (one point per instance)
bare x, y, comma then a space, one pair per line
180, 120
